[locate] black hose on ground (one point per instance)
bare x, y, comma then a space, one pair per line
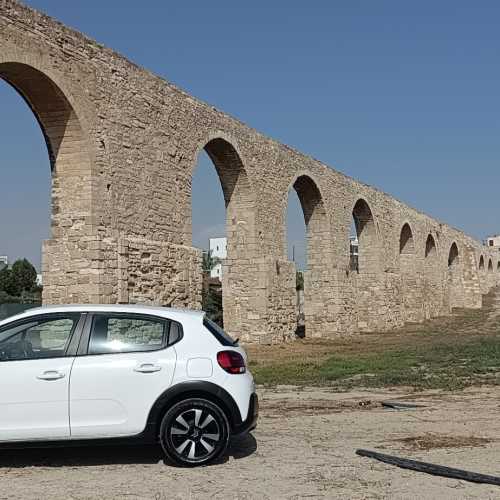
396, 405
436, 470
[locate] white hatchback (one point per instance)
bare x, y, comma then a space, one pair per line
81, 373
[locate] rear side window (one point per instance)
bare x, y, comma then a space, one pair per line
175, 333
218, 332
115, 334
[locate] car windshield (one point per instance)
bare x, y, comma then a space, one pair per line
218, 332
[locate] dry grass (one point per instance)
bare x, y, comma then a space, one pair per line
449, 352
431, 441
463, 326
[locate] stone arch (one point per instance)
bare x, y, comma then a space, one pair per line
237, 189
71, 181
313, 208
367, 293
318, 243
238, 193
430, 247
432, 295
239, 200
66, 142
406, 243
454, 277
366, 232
490, 266
481, 263
453, 256
409, 281
498, 266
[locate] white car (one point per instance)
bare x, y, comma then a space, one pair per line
81, 373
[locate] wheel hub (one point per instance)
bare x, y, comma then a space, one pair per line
195, 434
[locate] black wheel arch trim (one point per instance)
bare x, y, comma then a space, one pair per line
195, 388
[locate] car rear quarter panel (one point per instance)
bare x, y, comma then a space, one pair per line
199, 344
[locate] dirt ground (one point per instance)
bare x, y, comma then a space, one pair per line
305, 443
304, 447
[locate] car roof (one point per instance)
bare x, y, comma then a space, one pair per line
166, 312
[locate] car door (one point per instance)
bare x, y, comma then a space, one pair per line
36, 355
127, 365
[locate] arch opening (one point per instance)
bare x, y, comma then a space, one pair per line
453, 256
365, 238
223, 229
408, 273
310, 234
454, 278
490, 266
406, 244
68, 173
432, 290
26, 180
481, 263
66, 145
430, 247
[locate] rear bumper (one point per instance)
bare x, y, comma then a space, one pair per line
251, 421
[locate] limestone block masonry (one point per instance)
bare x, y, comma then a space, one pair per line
123, 145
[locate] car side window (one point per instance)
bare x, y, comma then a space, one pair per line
120, 333
175, 333
38, 338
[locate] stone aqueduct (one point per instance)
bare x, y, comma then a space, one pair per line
123, 144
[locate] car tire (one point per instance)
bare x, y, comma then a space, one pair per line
194, 432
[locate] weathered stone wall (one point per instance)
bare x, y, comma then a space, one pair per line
148, 273
123, 145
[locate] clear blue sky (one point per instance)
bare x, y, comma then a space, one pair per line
401, 95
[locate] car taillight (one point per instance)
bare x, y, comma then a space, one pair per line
231, 362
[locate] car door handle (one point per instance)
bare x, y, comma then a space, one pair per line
50, 375
147, 368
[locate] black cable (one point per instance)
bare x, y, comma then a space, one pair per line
436, 470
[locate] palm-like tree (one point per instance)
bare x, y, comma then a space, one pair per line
209, 261
211, 297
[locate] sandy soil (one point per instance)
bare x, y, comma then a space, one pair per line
304, 447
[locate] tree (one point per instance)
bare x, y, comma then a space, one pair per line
5, 298
299, 281
212, 304
24, 274
209, 261
8, 283
211, 295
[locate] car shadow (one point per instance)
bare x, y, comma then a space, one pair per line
242, 446
84, 456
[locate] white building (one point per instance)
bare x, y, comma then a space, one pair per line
353, 253
218, 249
493, 241
4, 261
354, 245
